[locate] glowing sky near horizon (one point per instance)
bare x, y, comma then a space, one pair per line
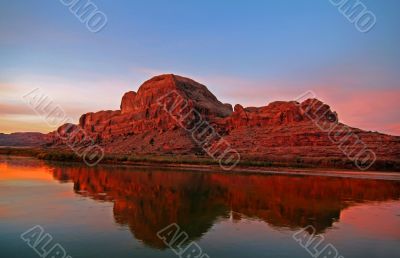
250, 53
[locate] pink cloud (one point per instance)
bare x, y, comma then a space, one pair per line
368, 109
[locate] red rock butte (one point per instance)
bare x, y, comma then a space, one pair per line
284, 131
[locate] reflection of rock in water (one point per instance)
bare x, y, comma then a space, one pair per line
151, 200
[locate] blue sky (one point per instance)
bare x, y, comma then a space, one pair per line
248, 52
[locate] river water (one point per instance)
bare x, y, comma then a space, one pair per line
111, 211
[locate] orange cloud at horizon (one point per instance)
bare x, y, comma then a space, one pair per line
13, 125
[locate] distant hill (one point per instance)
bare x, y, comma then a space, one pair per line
22, 139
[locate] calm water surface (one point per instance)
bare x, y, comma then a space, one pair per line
117, 212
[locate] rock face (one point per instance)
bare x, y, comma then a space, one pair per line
147, 124
143, 125
280, 113
127, 103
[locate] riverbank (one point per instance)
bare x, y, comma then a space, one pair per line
205, 164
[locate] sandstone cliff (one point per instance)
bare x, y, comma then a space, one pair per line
286, 131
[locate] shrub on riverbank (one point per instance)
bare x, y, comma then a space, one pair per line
132, 159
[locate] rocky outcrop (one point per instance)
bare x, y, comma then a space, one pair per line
307, 132
143, 124
128, 102
280, 113
152, 121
